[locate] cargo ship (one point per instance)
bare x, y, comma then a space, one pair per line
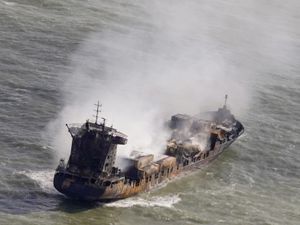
91, 173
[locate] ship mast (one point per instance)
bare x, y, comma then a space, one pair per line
98, 110
226, 96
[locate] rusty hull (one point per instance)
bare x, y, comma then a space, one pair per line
166, 170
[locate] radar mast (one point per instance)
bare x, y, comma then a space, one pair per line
98, 110
225, 103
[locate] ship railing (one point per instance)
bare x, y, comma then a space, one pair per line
119, 134
75, 125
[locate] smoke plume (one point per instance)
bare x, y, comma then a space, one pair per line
166, 62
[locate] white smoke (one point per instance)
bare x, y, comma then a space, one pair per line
142, 74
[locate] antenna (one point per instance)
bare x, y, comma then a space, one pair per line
98, 110
226, 96
69, 129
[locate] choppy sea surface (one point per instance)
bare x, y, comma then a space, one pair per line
52, 52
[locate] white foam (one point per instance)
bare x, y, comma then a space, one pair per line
43, 178
158, 201
244, 135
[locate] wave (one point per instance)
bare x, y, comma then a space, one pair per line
158, 201
43, 178
9, 3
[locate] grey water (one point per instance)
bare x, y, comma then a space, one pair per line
144, 60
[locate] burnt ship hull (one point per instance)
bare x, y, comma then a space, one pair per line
90, 173
83, 188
